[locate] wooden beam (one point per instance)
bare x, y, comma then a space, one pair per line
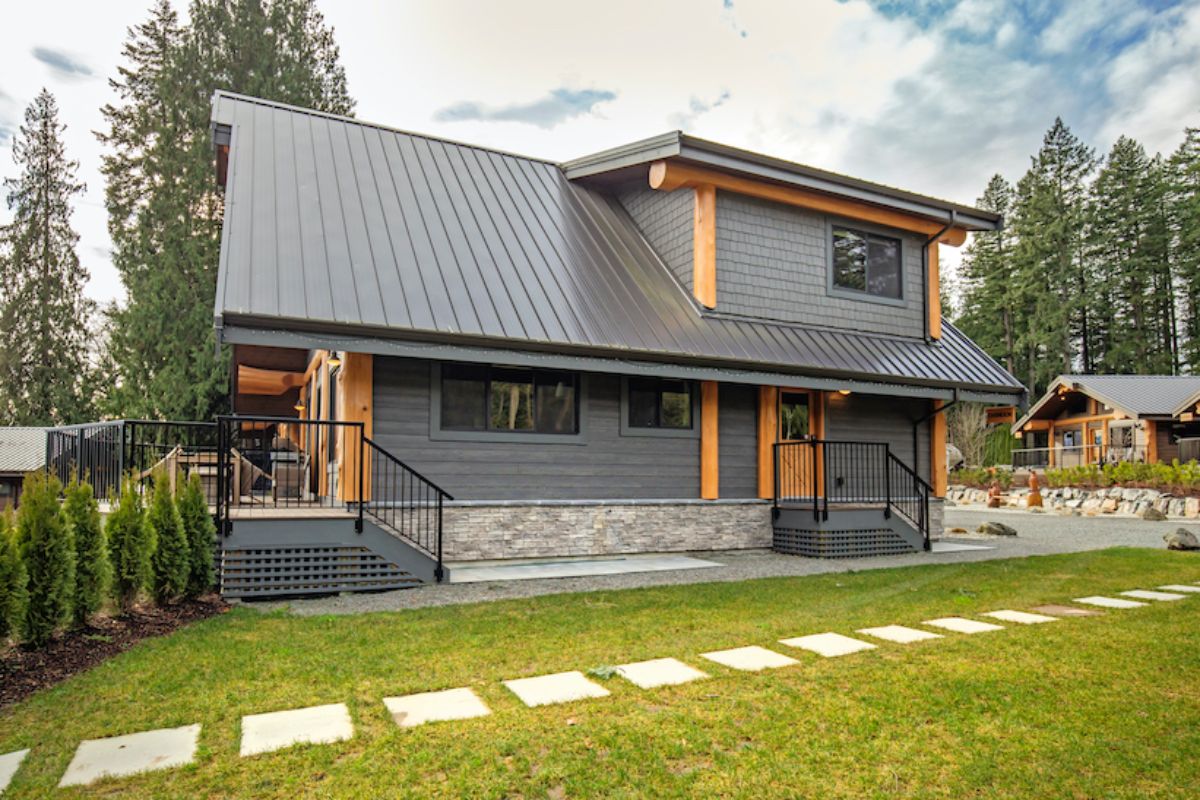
709, 461
937, 451
670, 175
768, 434
934, 289
254, 380
704, 246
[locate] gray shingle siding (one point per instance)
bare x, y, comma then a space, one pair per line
873, 418
665, 219
772, 262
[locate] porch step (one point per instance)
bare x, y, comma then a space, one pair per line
850, 532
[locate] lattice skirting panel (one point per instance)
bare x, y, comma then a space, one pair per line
255, 571
840, 544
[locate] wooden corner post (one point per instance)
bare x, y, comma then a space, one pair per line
768, 434
709, 463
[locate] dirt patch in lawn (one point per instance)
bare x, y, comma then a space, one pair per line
24, 671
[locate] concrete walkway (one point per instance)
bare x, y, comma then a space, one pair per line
1038, 534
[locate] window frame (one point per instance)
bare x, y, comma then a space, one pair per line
437, 433
669, 433
866, 230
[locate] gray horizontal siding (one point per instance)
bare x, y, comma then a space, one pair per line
737, 440
608, 466
870, 418
773, 263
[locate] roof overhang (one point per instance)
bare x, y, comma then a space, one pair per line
629, 364
1074, 386
677, 145
1191, 404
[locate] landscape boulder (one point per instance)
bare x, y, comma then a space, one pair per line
996, 529
1153, 514
1181, 539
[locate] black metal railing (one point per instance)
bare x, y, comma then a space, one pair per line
269, 463
819, 474
405, 502
105, 454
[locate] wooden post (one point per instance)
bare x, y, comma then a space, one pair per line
816, 429
768, 433
1151, 441
709, 463
357, 401
1050, 441
704, 246
935, 294
937, 451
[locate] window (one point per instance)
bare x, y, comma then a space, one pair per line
867, 263
793, 416
660, 404
479, 398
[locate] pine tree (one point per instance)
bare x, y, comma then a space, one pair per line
201, 535
164, 210
92, 569
44, 539
172, 555
1183, 204
130, 545
989, 313
43, 313
12, 578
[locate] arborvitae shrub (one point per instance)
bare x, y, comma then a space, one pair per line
44, 539
92, 569
201, 533
12, 578
130, 545
172, 556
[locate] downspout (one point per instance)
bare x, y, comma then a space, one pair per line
925, 270
916, 428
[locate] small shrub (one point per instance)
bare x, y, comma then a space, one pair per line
200, 531
982, 477
93, 571
48, 553
172, 556
130, 545
12, 578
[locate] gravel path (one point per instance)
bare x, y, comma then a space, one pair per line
1038, 534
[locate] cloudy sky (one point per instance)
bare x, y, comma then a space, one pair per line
930, 95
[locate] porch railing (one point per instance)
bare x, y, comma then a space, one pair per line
1075, 455
820, 474
405, 502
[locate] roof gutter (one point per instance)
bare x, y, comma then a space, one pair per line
925, 271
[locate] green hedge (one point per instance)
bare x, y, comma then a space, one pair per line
981, 477
1175, 478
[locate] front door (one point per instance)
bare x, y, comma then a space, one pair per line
796, 464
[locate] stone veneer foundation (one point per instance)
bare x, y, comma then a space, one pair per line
485, 531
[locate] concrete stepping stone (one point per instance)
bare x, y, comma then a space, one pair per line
561, 687
962, 625
1145, 594
118, 756
830, 645
1019, 617
264, 733
899, 634
9, 764
1180, 587
659, 672
412, 710
1108, 602
1066, 611
750, 659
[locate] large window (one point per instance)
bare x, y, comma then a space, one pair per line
480, 398
867, 263
660, 404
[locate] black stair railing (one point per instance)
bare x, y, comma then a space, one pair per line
909, 495
405, 502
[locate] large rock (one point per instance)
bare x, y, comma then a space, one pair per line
1153, 514
1109, 505
996, 529
1181, 539
1191, 507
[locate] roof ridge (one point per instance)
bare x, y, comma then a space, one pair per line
313, 112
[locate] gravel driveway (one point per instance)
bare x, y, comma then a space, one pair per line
1038, 534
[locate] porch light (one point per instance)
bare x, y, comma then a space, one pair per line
334, 360
299, 407
843, 392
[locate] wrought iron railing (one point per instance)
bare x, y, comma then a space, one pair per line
819, 474
405, 502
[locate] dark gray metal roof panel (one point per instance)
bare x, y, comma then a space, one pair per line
336, 225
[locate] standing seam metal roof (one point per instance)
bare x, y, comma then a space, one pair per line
340, 223
1135, 395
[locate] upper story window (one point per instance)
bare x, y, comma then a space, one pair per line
867, 262
664, 404
481, 398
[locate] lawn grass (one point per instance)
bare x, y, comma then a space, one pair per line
1106, 706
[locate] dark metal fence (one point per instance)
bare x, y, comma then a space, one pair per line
818, 474
405, 502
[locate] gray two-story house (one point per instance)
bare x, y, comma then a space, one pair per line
673, 345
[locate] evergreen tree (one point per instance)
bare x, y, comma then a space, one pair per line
989, 314
44, 539
172, 555
130, 545
43, 313
92, 570
201, 535
12, 578
164, 210
1183, 203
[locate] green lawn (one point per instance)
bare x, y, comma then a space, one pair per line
1099, 707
